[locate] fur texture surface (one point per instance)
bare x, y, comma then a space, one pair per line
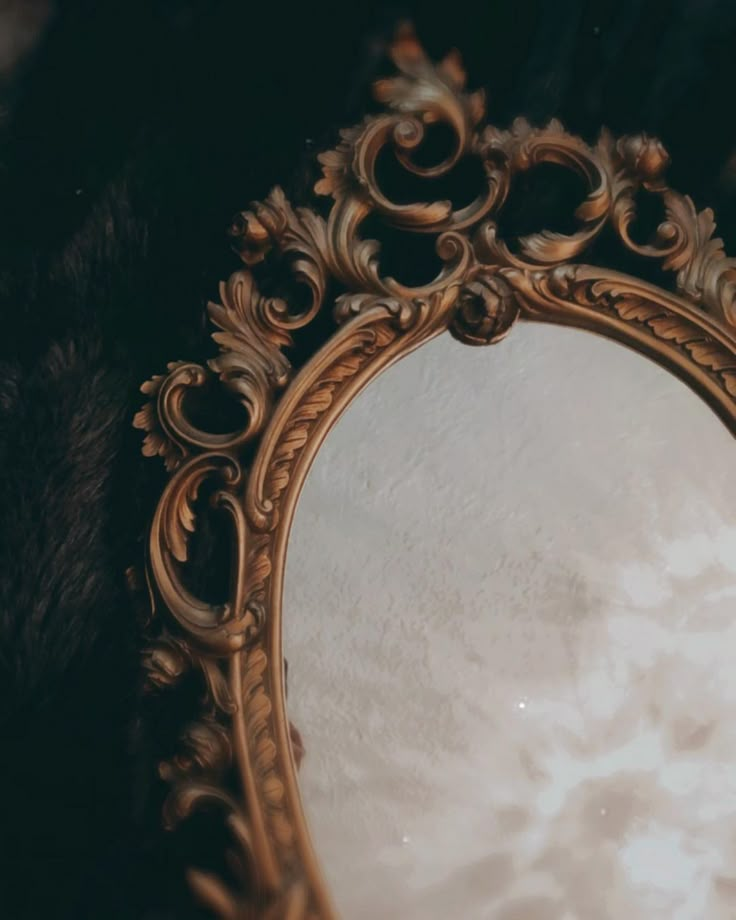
130, 133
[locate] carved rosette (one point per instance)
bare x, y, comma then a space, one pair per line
237, 755
486, 310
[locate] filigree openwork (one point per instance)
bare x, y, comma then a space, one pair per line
238, 754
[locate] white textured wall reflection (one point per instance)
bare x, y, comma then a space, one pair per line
509, 618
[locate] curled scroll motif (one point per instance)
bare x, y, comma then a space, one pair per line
524, 147
420, 95
251, 330
237, 756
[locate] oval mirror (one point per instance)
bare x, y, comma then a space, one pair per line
508, 617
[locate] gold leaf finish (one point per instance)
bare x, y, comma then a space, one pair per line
237, 757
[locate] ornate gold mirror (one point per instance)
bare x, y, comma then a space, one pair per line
293, 357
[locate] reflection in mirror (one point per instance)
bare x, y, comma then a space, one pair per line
508, 616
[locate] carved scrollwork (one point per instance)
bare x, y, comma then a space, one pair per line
420, 95
523, 147
237, 756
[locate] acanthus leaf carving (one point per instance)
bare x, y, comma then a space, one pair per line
158, 441
251, 363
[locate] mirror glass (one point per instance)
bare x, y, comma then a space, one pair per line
509, 623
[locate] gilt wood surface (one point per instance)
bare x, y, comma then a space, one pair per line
238, 755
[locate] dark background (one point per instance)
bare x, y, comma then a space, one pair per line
130, 132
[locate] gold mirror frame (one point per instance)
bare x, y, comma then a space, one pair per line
238, 753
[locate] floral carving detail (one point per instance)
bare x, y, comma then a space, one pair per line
157, 442
705, 274
643, 156
486, 311
338, 179
431, 91
251, 364
420, 95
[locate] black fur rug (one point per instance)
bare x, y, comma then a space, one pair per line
129, 134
